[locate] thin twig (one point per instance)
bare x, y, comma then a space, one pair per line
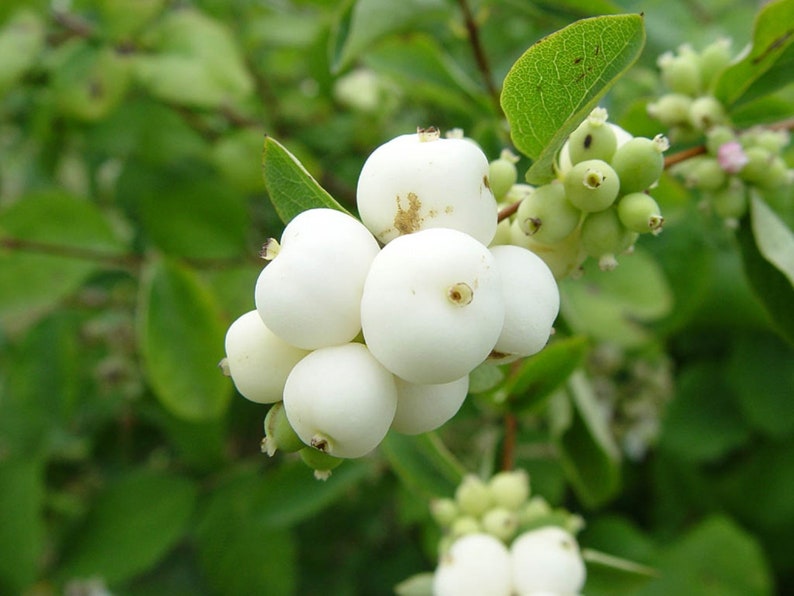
508, 211
680, 156
479, 54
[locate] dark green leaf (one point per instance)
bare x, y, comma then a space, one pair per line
422, 463
180, 334
760, 371
371, 20
703, 423
21, 524
133, 523
774, 239
540, 375
767, 66
716, 558
587, 450
291, 188
771, 287
554, 85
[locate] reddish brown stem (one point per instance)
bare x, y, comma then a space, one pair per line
680, 156
479, 54
508, 211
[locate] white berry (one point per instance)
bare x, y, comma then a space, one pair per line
432, 307
258, 361
422, 408
340, 400
420, 181
547, 560
532, 302
309, 294
475, 565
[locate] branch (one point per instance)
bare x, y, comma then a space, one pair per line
479, 54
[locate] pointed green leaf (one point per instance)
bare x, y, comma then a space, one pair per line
290, 187
540, 375
554, 85
21, 523
588, 453
180, 334
774, 238
370, 20
132, 524
767, 66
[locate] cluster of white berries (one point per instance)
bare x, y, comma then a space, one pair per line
599, 203
365, 326
499, 541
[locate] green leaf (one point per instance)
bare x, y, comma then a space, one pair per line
613, 305
21, 523
290, 187
49, 245
767, 65
588, 453
762, 376
774, 239
715, 558
371, 20
133, 523
703, 422
422, 463
554, 85
772, 288
540, 375
180, 334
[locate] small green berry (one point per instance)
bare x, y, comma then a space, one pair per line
717, 136
509, 489
593, 139
706, 112
444, 511
680, 73
500, 522
640, 213
502, 174
604, 237
547, 215
713, 59
639, 163
278, 432
472, 496
592, 185
671, 109
730, 203
320, 462
759, 162
705, 173
465, 524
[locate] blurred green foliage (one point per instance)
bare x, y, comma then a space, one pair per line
132, 211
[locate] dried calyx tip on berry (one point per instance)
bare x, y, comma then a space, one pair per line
270, 249
431, 133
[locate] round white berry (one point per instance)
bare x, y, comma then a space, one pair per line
475, 564
419, 181
432, 307
340, 400
258, 361
547, 560
422, 408
532, 302
309, 295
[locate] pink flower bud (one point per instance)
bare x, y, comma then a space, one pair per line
732, 157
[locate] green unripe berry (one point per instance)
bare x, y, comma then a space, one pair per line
759, 161
500, 522
502, 174
671, 109
465, 524
640, 213
706, 112
278, 432
604, 236
592, 185
537, 508
547, 215
593, 139
772, 140
713, 59
730, 203
472, 496
777, 175
705, 173
444, 511
509, 489
717, 136
639, 163
320, 462
680, 74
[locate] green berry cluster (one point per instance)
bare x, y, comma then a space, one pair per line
689, 107
734, 165
502, 507
599, 203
